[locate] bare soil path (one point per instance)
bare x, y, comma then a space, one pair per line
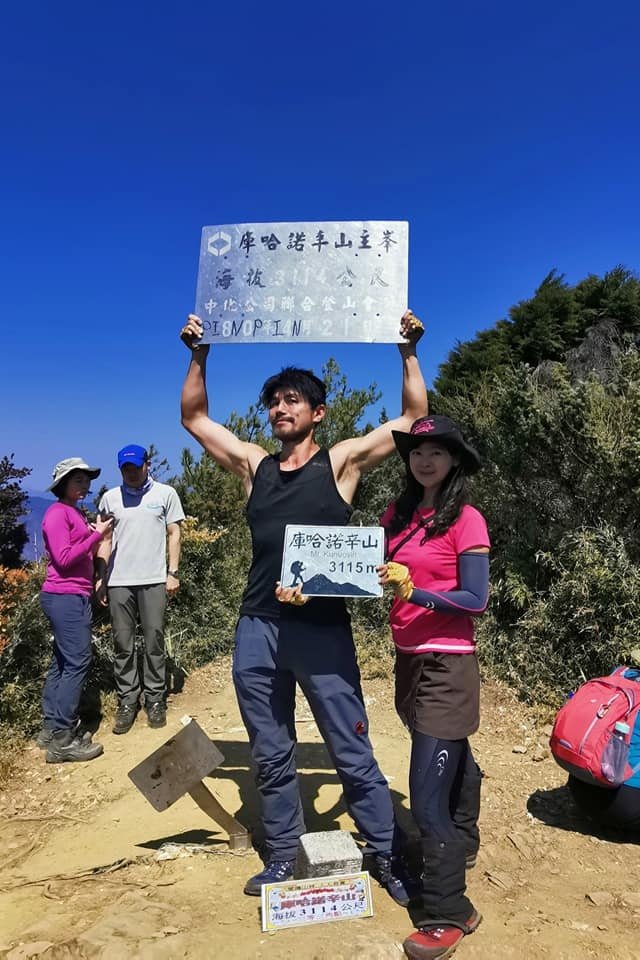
546, 886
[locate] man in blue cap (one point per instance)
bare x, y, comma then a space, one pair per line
137, 570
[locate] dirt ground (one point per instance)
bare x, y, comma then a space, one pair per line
545, 885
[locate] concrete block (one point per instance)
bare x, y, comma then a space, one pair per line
328, 853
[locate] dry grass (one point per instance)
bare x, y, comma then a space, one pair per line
12, 748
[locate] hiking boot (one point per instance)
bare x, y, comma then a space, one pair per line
124, 717
275, 871
65, 747
390, 873
436, 941
157, 714
44, 738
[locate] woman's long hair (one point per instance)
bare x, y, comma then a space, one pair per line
449, 501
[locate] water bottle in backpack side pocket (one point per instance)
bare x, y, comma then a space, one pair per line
615, 754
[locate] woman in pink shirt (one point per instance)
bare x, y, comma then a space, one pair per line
438, 567
71, 544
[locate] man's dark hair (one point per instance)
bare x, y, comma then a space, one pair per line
304, 382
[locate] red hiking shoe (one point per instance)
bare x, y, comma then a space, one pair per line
435, 942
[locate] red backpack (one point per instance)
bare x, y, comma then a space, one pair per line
585, 725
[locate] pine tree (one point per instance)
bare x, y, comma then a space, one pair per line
13, 499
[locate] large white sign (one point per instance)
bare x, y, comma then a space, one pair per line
332, 561
317, 281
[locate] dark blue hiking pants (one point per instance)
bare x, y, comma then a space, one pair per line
70, 617
435, 778
267, 662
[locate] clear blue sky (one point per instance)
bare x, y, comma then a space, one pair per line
506, 133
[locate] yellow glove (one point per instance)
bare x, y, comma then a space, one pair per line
297, 600
410, 327
399, 578
291, 595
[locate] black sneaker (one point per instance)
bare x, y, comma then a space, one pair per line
389, 873
276, 871
67, 748
125, 717
157, 714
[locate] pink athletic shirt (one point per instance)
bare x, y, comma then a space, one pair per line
71, 544
434, 566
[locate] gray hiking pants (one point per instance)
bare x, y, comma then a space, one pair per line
149, 602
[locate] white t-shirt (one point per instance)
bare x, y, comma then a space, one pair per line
139, 553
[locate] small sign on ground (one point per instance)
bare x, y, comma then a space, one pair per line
297, 903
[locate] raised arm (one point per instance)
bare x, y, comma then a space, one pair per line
352, 458
227, 450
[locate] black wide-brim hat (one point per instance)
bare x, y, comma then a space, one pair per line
446, 432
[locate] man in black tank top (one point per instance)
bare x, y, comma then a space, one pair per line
280, 643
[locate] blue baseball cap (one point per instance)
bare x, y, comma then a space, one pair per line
132, 454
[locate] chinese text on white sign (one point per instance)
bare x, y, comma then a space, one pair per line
333, 561
317, 281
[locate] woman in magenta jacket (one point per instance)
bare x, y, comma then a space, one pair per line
438, 567
71, 544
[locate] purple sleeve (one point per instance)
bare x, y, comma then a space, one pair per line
470, 599
57, 531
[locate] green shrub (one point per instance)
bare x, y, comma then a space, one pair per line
25, 657
199, 626
213, 570
584, 624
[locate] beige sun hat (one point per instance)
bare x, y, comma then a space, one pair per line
65, 467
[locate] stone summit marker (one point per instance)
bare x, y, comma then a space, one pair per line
327, 853
314, 281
